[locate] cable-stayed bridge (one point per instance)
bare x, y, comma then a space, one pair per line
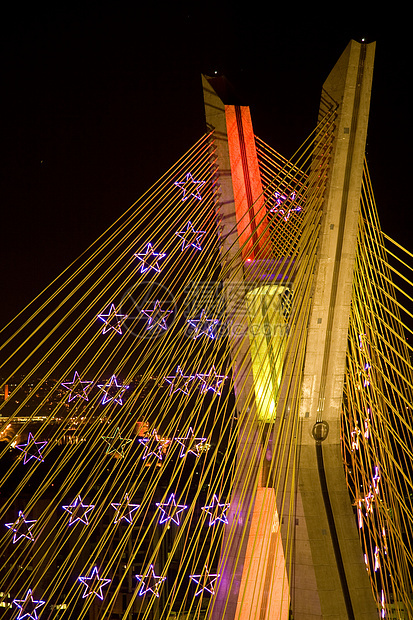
208, 414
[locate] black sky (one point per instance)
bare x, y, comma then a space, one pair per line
99, 101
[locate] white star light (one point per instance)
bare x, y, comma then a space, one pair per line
21, 528
172, 510
376, 480
116, 443
191, 444
149, 259
216, 511
94, 584
28, 606
154, 445
190, 187
78, 511
150, 582
205, 580
179, 382
125, 510
191, 237
211, 381
113, 391
157, 316
280, 201
112, 320
355, 438
203, 326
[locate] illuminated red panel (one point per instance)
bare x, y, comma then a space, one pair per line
251, 213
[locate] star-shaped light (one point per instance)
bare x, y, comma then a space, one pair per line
113, 391
32, 449
77, 388
150, 582
78, 511
211, 381
383, 605
154, 445
367, 368
28, 606
157, 317
21, 528
203, 325
190, 187
376, 559
216, 511
376, 480
94, 584
149, 259
191, 237
171, 510
383, 533
279, 208
116, 443
191, 444
205, 581
125, 510
368, 503
367, 425
112, 320
179, 382
355, 438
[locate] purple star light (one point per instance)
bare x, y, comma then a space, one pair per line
31, 449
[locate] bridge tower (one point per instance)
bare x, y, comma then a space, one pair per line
328, 577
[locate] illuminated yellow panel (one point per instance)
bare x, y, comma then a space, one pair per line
267, 336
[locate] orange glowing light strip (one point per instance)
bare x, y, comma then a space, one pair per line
251, 215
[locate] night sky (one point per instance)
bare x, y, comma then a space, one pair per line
99, 101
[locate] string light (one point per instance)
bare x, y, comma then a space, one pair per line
388, 429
